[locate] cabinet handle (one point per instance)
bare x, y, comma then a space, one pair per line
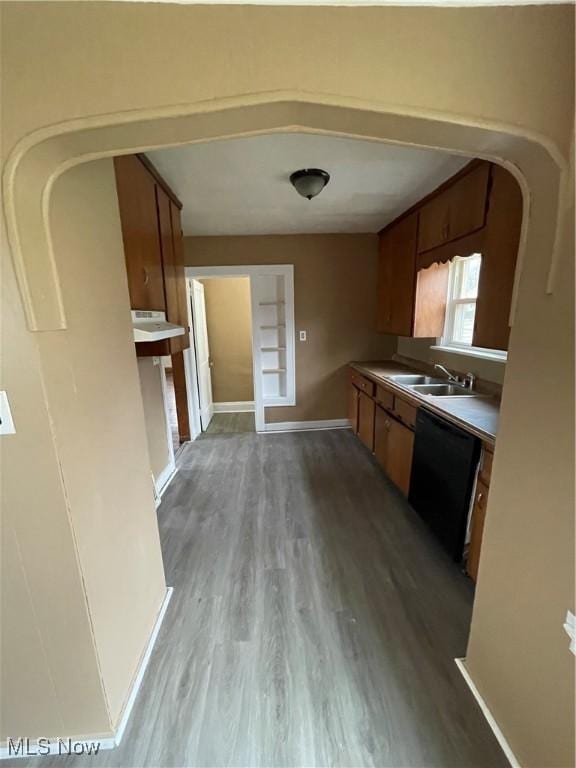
480, 497
146, 276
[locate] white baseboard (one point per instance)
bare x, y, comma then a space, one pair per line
163, 481
304, 426
461, 664
59, 745
142, 666
242, 406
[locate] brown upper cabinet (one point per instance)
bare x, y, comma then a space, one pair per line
142, 251
153, 248
479, 210
501, 240
455, 211
397, 269
173, 268
410, 302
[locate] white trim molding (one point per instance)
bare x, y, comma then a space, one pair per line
496, 355
306, 426
163, 481
246, 406
490, 719
257, 274
53, 746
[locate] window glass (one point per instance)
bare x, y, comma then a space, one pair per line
461, 304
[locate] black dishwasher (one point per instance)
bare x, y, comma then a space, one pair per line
443, 468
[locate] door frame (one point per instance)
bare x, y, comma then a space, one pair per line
195, 331
249, 271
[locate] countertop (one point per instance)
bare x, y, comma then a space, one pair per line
478, 415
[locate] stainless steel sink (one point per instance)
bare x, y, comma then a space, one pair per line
408, 380
443, 390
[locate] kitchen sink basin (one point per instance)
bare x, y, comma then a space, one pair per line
443, 390
408, 380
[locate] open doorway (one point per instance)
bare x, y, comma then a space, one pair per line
222, 325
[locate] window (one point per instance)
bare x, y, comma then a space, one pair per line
461, 304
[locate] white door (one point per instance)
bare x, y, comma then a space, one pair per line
202, 353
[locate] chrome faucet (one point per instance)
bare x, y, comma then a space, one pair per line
451, 376
467, 381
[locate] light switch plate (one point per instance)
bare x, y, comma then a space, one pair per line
302, 335
6, 421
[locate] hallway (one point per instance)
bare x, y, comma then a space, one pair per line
308, 627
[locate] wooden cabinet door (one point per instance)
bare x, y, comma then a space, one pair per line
500, 251
399, 455
381, 431
178, 241
431, 297
366, 408
397, 277
172, 261
478, 517
353, 407
455, 212
139, 220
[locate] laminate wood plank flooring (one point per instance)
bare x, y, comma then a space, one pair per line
227, 423
314, 621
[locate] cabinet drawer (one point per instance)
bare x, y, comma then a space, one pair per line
385, 398
405, 412
364, 384
486, 466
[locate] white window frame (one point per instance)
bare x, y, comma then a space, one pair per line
454, 284
447, 343
260, 403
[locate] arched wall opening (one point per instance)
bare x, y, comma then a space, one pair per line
38, 162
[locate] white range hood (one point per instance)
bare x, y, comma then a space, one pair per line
152, 326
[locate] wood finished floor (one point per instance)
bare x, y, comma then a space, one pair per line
227, 423
314, 620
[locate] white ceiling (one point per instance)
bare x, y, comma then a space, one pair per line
241, 186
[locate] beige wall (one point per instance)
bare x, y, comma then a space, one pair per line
420, 349
526, 577
229, 321
514, 69
154, 414
82, 532
334, 301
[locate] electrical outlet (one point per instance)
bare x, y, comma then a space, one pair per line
302, 335
6, 421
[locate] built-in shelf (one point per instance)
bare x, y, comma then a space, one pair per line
270, 303
273, 349
273, 370
271, 327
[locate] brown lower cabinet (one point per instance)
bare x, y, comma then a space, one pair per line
393, 448
478, 517
366, 408
353, 396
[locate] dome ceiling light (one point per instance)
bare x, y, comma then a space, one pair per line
309, 182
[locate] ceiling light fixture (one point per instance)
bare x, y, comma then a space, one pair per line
309, 182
